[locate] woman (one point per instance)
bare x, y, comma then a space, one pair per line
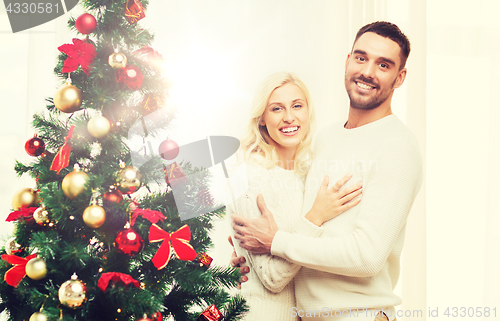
277, 153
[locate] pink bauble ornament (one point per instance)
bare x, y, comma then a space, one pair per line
86, 23
168, 149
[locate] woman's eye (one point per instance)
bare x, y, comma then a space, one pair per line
297, 106
276, 108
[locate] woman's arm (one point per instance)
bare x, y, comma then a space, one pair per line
274, 272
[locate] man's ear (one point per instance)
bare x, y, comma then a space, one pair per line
401, 78
347, 61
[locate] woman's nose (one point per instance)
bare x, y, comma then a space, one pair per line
288, 116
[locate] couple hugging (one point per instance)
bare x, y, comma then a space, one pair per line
320, 230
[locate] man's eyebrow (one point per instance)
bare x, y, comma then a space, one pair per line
360, 52
388, 60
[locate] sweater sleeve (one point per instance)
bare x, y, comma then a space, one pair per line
273, 271
388, 193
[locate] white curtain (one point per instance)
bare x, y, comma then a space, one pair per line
217, 51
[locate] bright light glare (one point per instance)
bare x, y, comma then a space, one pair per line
201, 80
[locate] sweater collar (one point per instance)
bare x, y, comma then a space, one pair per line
370, 126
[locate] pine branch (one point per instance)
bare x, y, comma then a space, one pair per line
235, 310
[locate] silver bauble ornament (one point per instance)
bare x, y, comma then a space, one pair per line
128, 180
73, 293
117, 60
41, 216
11, 246
38, 316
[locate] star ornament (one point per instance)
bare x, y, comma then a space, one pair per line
80, 53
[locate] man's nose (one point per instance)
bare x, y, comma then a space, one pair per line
369, 70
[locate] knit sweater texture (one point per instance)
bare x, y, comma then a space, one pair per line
353, 261
269, 291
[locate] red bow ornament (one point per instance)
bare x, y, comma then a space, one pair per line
14, 276
179, 240
150, 215
152, 56
25, 213
62, 158
115, 277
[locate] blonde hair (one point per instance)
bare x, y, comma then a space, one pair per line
255, 143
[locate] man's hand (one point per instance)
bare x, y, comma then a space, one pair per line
256, 234
236, 261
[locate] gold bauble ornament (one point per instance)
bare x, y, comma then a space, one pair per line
128, 180
74, 183
38, 316
68, 98
41, 216
36, 268
11, 246
94, 216
117, 60
98, 126
73, 293
26, 197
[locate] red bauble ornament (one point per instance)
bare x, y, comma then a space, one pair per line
86, 23
168, 149
155, 317
113, 196
129, 242
34, 146
130, 77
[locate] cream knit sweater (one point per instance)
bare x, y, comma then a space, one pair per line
269, 291
352, 261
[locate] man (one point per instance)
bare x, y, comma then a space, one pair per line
350, 265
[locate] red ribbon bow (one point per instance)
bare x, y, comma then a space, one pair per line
25, 213
134, 11
150, 215
179, 240
62, 158
14, 276
115, 277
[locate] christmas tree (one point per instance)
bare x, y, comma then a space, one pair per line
89, 243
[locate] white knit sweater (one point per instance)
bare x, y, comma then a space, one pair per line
352, 261
269, 291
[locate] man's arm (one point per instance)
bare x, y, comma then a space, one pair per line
387, 198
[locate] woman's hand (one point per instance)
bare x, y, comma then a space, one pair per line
236, 262
330, 203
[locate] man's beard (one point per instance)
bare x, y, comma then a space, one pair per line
357, 101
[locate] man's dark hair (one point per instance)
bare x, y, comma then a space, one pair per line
388, 30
